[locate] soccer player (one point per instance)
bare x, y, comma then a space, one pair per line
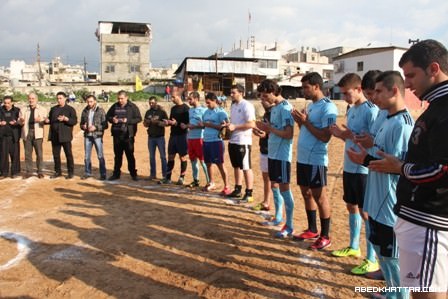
360, 118
195, 138
312, 158
281, 132
213, 120
177, 144
392, 139
242, 120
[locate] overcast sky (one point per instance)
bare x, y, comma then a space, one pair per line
200, 28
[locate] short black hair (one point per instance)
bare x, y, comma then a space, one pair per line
211, 96
61, 93
238, 87
269, 86
391, 78
194, 95
423, 53
313, 78
350, 80
8, 98
369, 79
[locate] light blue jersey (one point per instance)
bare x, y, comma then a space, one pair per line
195, 116
380, 119
215, 116
280, 148
311, 150
360, 120
392, 138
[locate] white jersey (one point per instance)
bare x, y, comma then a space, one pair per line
241, 113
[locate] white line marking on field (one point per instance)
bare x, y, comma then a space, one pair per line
23, 248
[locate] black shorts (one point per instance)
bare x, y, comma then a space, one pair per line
279, 171
312, 176
383, 236
354, 188
240, 156
177, 144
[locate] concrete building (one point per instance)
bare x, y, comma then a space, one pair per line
361, 60
124, 51
335, 52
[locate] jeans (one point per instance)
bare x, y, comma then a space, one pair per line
153, 143
89, 142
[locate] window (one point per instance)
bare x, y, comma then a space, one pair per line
134, 49
360, 66
110, 49
267, 64
134, 68
110, 69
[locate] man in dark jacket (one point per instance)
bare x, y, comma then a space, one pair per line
422, 190
154, 121
93, 123
124, 117
10, 135
62, 118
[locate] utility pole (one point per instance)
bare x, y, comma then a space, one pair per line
39, 75
85, 69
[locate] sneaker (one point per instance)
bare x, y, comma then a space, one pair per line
247, 199
272, 222
193, 184
235, 193
180, 181
306, 235
209, 187
226, 191
113, 177
284, 233
375, 275
347, 251
321, 243
365, 267
260, 207
164, 182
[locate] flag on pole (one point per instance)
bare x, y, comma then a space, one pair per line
200, 86
138, 83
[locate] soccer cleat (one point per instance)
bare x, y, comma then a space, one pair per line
209, 187
285, 232
164, 181
193, 184
260, 207
226, 191
347, 251
235, 193
180, 181
246, 199
321, 243
365, 267
306, 235
272, 222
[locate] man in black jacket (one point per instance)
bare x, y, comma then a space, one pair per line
93, 123
422, 190
124, 117
10, 134
62, 118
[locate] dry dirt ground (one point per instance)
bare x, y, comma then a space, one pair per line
124, 239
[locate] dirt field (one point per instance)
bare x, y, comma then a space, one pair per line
124, 239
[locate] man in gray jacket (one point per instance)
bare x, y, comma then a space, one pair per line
93, 123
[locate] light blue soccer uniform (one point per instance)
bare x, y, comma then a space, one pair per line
392, 138
311, 150
360, 119
380, 119
195, 116
215, 116
280, 148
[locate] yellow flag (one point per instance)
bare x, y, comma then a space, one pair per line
138, 83
200, 86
